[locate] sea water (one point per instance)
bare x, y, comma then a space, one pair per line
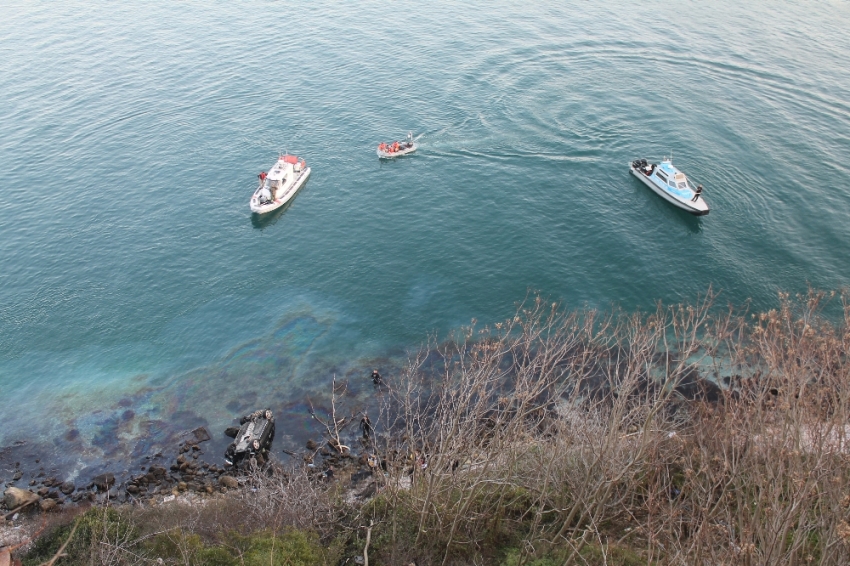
139, 298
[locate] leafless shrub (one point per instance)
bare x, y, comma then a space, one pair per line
575, 428
278, 497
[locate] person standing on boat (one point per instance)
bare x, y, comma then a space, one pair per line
697, 193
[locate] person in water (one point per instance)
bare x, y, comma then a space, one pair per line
376, 377
366, 427
697, 193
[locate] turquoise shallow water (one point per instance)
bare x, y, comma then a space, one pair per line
138, 297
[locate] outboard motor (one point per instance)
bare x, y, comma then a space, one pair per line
643, 162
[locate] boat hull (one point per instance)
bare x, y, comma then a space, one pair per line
285, 198
698, 208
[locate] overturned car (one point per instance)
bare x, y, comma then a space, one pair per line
252, 441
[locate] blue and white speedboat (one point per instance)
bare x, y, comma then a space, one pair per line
671, 184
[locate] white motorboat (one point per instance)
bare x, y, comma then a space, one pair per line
397, 148
279, 185
671, 184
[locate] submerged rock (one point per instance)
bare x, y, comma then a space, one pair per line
201, 434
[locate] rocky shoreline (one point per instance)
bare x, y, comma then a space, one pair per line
166, 478
186, 472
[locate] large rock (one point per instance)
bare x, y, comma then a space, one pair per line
157, 471
68, 488
228, 481
15, 497
104, 481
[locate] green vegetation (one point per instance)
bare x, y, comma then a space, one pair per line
105, 536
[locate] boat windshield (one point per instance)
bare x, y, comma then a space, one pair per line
683, 185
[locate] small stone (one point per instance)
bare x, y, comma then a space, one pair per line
175, 491
132, 489
181, 459
68, 488
43, 491
182, 486
311, 444
47, 505
208, 488
18, 475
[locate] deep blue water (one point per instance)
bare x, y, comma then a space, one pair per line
138, 297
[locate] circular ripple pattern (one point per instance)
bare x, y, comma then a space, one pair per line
131, 273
